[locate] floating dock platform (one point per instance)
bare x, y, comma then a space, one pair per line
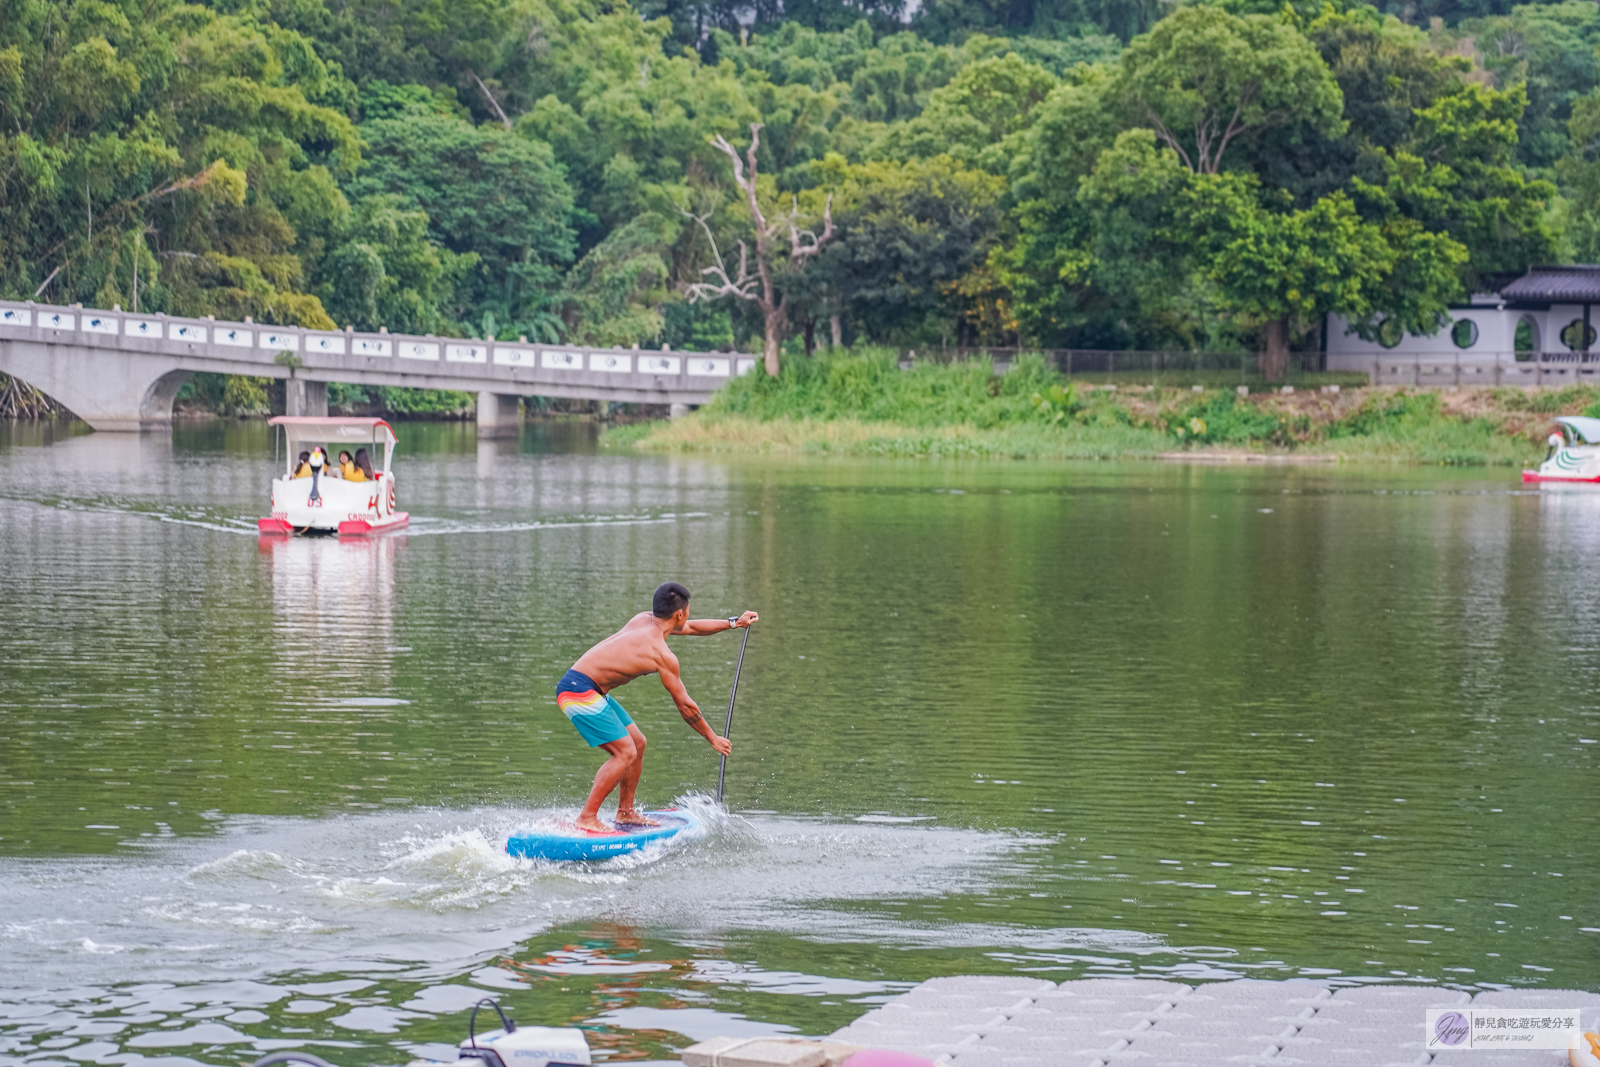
1117, 1022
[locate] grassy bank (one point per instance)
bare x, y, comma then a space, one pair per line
863, 404
851, 436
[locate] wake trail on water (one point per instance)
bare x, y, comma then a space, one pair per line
427, 527
435, 887
198, 517
420, 526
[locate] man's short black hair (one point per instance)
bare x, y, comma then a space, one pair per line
670, 599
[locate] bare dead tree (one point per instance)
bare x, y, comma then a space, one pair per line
760, 287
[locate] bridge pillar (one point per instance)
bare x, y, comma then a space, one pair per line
497, 415
301, 397
678, 411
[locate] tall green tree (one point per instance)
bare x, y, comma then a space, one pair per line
1580, 174
1204, 79
1208, 85
946, 20
486, 192
980, 118
1553, 52
909, 236
1047, 266
482, 50
1286, 270
166, 142
383, 270
1343, 169
1458, 174
1386, 71
614, 295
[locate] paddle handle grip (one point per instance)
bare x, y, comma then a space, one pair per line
733, 695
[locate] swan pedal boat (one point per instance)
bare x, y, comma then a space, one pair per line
343, 507
1574, 457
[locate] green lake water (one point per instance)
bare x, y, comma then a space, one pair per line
1062, 719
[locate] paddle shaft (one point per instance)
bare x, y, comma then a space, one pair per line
732, 696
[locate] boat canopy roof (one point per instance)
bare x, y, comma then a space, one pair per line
1585, 427
357, 429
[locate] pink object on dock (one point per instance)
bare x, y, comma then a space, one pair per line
878, 1057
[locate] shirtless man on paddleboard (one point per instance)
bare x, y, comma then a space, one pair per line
639, 648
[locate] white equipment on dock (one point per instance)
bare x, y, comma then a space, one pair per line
528, 1046
522, 1046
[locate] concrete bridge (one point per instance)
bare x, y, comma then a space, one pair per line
121, 371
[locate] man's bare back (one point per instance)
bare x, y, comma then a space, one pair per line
639, 648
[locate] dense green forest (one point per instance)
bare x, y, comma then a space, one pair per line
1084, 173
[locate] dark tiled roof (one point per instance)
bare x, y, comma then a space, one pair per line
1494, 281
1569, 284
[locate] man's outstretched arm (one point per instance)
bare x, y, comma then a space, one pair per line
688, 708
702, 627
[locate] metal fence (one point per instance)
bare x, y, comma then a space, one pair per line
1123, 363
1435, 369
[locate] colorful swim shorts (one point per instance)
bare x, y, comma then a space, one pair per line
598, 718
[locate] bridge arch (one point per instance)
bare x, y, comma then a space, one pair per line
156, 407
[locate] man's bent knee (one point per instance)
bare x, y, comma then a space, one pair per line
623, 748
637, 737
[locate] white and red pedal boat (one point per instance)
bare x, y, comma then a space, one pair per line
1574, 457
325, 503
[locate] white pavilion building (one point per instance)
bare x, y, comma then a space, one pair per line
1536, 330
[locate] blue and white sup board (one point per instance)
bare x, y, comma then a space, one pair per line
570, 843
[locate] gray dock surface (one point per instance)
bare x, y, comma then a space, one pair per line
1117, 1022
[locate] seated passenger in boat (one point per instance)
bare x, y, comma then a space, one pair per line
347, 467
363, 468
303, 467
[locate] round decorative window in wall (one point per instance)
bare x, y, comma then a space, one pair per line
1572, 335
1390, 333
1464, 333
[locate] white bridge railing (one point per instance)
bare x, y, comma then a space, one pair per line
379, 358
